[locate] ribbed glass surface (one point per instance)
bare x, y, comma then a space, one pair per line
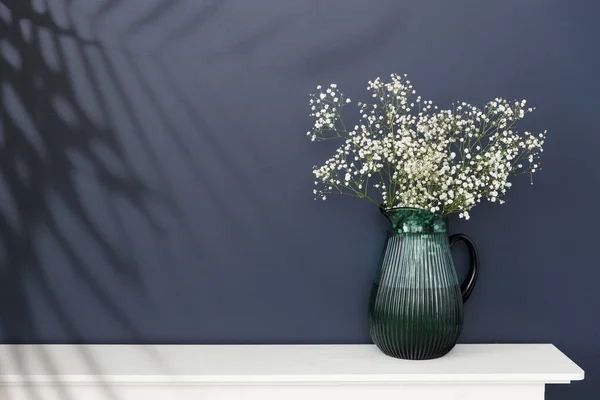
416, 305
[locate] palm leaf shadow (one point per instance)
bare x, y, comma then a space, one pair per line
36, 165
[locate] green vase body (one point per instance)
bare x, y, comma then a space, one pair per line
416, 303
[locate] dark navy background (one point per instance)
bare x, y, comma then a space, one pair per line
155, 176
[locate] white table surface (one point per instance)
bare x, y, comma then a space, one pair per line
230, 364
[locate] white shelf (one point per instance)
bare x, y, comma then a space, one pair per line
257, 370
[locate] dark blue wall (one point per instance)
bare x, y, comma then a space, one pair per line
155, 179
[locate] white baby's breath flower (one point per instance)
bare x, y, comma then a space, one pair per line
432, 159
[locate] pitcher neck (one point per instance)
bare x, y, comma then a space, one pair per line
414, 221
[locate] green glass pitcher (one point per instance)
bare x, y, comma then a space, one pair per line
416, 303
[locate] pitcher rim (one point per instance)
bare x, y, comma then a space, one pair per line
387, 210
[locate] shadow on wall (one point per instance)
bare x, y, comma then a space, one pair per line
51, 144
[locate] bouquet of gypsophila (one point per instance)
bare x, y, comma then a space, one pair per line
414, 155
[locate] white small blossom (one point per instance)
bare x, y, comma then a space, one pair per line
432, 159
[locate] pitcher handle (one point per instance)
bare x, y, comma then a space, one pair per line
467, 287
